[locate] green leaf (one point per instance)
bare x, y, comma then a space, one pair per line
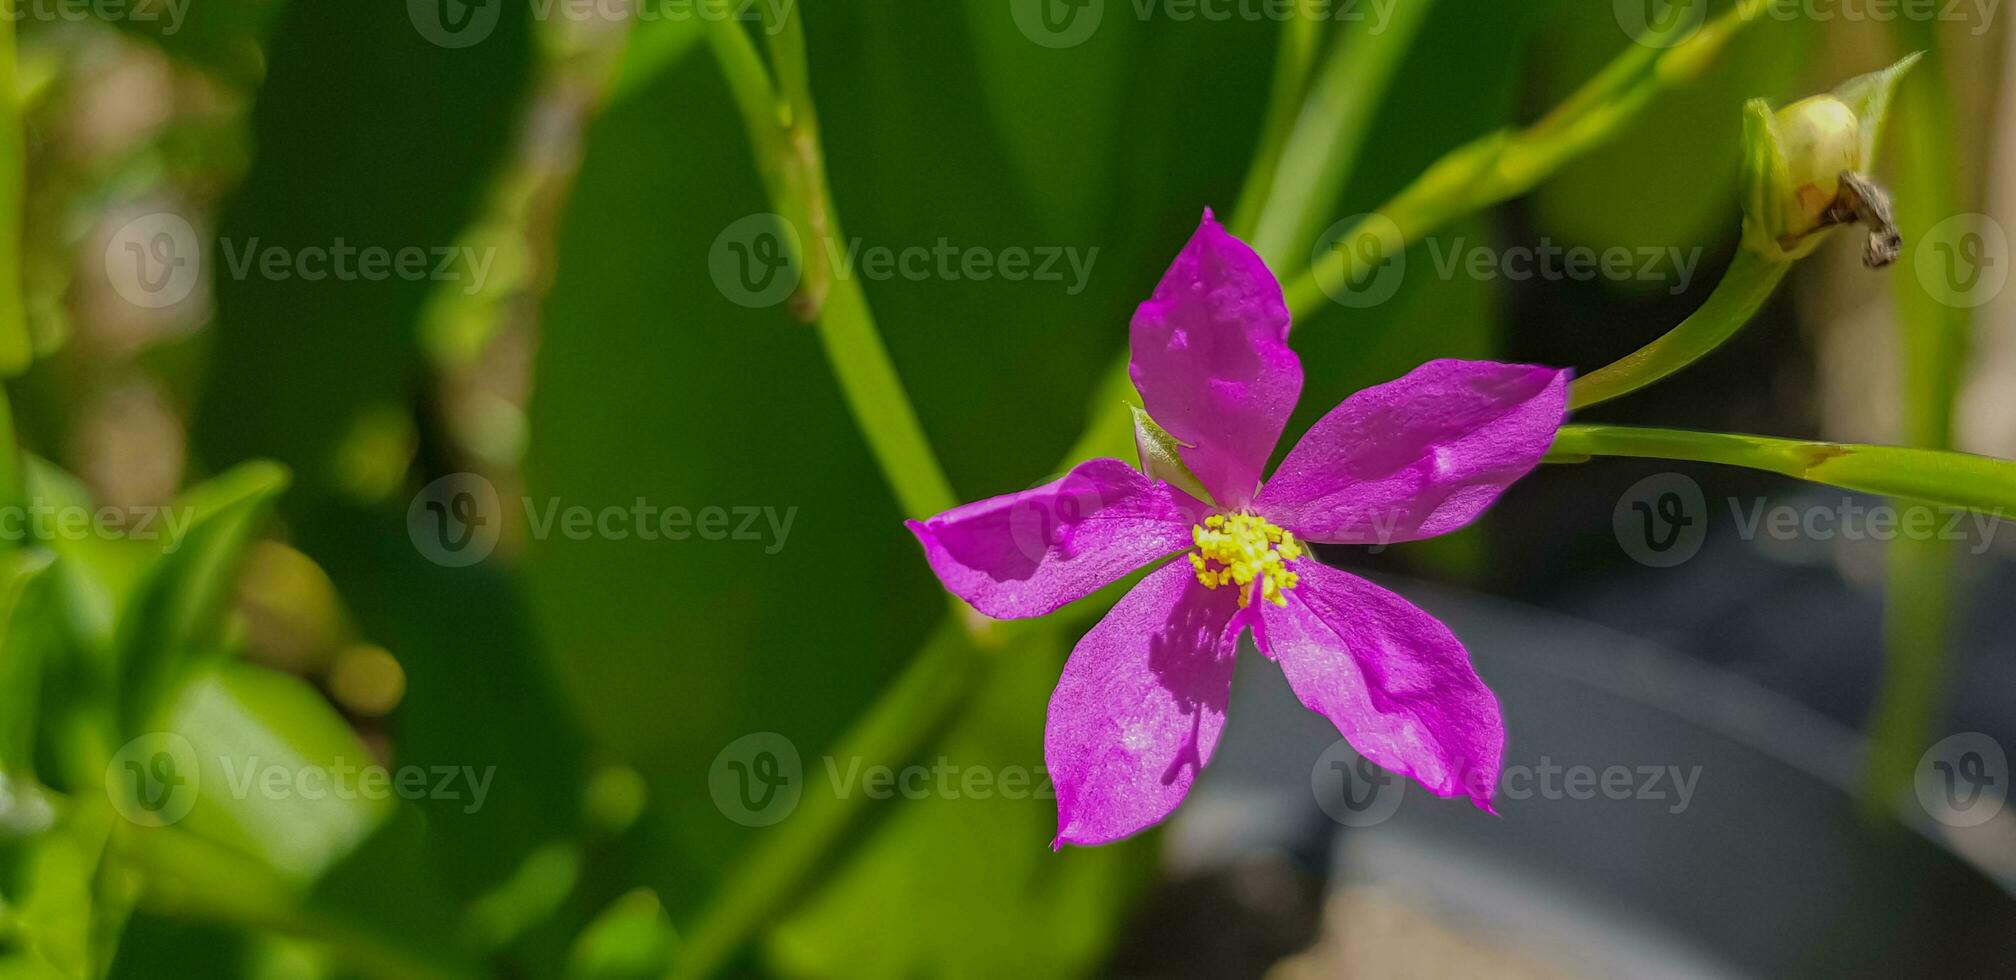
280, 776
177, 610
632, 939
52, 906
1161, 458
340, 93
27, 624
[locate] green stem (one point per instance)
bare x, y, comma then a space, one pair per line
777, 869
16, 350
1932, 337
1301, 35
1749, 282
1321, 149
1939, 477
784, 136
1508, 163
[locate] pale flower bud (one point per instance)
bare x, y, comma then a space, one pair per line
1795, 160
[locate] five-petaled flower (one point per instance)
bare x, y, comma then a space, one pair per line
1142, 699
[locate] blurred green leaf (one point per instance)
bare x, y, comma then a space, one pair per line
51, 909
479, 693
27, 624
632, 939
280, 774
1041, 98
301, 361
177, 610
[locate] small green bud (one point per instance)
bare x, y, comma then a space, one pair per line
1805, 167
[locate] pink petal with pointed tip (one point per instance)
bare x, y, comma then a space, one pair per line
1212, 363
1393, 679
1139, 706
1420, 456
1029, 553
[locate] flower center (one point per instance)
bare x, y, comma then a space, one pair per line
1248, 551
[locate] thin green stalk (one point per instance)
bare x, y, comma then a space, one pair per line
1322, 148
1510, 162
1749, 282
784, 131
784, 138
1939, 477
1301, 36
15, 348
1932, 335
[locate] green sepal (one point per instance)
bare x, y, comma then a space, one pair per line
1161, 455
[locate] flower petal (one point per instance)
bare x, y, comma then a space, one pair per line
1211, 360
1420, 456
1139, 706
1029, 553
1392, 678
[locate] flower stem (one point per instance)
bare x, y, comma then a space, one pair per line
1917, 599
1940, 477
783, 132
907, 715
16, 350
1301, 35
1510, 162
1744, 288
1320, 150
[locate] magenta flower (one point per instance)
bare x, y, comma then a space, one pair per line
1138, 709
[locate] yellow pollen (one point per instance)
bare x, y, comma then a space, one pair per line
1247, 551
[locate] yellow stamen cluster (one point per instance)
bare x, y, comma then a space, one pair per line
1248, 552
